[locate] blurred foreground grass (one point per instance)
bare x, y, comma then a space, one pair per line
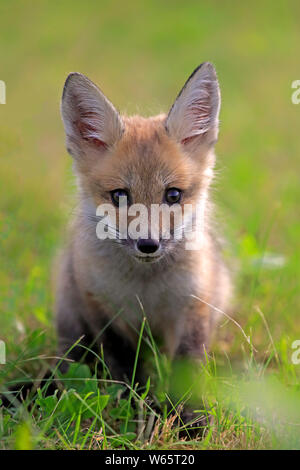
140, 54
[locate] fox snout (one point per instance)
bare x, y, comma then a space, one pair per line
147, 246
148, 250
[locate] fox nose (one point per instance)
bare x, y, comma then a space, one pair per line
147, 245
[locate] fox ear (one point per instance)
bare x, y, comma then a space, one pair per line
193, 117
91, 121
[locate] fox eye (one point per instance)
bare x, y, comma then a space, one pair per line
172, 195
116, 194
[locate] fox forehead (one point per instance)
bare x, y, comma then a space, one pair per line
145, 161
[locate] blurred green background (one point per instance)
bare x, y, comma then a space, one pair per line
140, 54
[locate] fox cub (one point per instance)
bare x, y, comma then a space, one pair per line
107, 284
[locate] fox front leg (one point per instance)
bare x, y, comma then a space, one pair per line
192, 351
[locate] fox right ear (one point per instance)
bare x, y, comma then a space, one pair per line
91, 121
193, 118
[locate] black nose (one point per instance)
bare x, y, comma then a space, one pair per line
147, 245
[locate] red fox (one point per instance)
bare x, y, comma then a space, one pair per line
102, 283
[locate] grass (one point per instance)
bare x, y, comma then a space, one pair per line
141, 53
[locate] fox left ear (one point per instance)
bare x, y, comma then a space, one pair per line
91, 121
194, 116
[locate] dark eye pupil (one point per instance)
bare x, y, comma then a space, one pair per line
173, 195
115, 195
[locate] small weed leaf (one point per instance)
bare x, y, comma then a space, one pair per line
47, 404
79, 378
69, 404
115, 390
121, 412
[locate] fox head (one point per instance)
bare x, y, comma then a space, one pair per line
164, 161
